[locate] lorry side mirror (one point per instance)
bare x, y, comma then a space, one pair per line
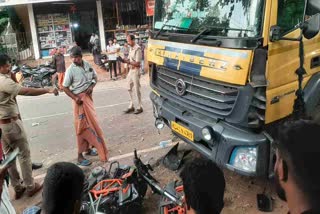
275, 33
312, 7
312, 27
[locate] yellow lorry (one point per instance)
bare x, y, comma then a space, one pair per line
225, 72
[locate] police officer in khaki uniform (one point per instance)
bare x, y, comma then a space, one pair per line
133, 78
13, 134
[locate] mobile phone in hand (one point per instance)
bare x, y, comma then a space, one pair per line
120, 59
9, 159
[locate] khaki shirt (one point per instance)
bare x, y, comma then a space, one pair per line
135, 55
78, 79
9, 89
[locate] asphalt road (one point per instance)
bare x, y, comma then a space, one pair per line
48, 121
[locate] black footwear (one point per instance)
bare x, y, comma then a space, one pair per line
138, 111
129, 110
19, 194
36, 166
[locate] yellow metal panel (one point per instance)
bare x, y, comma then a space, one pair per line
273, 12
284, 60
222, 64
236, 69
154, 53
266, 23
286, 96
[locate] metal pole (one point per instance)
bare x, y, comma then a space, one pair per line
101, 26
117, 11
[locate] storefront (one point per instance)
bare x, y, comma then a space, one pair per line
56, 23
125, 16
63, 23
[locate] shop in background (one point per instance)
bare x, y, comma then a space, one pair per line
54, 30
64, 24
123, 17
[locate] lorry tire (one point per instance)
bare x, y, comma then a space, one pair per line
315, 114
312, 97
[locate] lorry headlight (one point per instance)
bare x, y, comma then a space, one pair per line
244, 158
206, 134
159, 123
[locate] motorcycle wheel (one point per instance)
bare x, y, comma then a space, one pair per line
56, 82
46, 82
141, 186
27, 82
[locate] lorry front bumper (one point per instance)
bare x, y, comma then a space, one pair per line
226, 137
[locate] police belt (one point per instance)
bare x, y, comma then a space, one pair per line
8, 120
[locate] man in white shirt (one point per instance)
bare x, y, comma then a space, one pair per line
92, 38
96, 36
91, 42
112, 57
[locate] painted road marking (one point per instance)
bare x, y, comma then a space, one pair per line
67, 113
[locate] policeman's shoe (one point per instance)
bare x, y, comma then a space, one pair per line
36, 166
129, 110
18, 194
138, 111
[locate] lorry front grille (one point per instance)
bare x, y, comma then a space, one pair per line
200, 92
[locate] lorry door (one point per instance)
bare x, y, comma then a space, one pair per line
283, 58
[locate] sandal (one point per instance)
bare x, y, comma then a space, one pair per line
84, 162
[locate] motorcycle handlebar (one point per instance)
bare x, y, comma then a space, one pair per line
143, 171
156, 188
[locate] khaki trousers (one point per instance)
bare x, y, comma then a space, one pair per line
14, 136
133, 80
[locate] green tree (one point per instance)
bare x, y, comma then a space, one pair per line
15, 20
290, 13
4, 18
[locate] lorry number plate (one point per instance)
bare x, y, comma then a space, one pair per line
182, 131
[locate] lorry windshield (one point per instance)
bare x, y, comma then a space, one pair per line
226, 18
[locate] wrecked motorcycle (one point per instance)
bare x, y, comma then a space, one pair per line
122, 190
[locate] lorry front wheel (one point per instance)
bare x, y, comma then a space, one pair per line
316, 113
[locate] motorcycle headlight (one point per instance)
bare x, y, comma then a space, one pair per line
244, 159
